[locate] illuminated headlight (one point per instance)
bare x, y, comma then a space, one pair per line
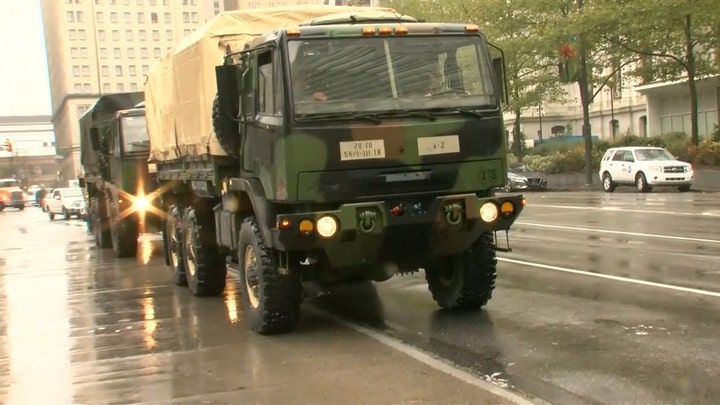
326, 226
488, 212
142, 203
689, 168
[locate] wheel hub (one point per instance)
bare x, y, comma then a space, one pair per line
190, 254
252, 284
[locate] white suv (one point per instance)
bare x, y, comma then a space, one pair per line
644, 167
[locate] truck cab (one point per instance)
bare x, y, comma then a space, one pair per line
11, 195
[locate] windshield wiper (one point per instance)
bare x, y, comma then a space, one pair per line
408, 113
471, 112
374, 118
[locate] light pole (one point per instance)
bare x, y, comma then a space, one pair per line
540, 115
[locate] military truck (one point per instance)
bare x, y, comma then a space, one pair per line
332, 145
118, 181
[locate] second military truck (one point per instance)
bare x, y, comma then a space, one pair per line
118, 181
330, 144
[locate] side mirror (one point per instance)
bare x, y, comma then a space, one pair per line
95, 139
228, 89
81, 182
499, 69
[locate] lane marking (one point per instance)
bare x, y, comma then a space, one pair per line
640, 234
610, 277
433, 362
620, 209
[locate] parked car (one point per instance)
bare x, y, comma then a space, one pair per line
644, 167
67, 201
521, 177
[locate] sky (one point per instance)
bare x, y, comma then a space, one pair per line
24, 84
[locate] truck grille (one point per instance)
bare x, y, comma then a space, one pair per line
674, 169
16, 195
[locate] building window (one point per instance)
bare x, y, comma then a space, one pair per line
76, 70
126, 2
74, 53
143, 53
156, 35
153, 18
128, 35
77, 87
80, 16
116, 53
70, 16
120, 87
131, 53
106, 87
132, 71
118, 70
115, 35
186, 17
113, 17
141, 18
127, 17
101, 35
185, 2
86, 70
87, 89
168, 35
186, 32
168, 18
143, 35
152, 2
133, 87
145, 69
83, 52
193, 2
72, 34
156, 52
103, 53
166, 2
105, 71
139, 2
81, 35
111, 2
99, 17
194, 17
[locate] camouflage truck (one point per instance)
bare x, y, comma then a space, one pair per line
354, 145
118, 182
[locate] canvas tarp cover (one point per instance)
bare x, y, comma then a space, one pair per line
181, 85
103, 110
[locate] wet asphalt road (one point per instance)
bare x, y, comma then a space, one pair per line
606, 298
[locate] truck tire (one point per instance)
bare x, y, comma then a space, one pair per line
226, 130
205, 265
172, 240
465, 282
271, 300
99, 224
124, 235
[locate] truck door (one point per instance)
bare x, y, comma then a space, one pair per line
262, 108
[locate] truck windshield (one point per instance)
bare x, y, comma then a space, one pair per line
343, 75
134, 134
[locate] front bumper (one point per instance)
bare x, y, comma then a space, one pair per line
670, 179
407, 231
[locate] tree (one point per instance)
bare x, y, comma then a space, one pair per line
675, 38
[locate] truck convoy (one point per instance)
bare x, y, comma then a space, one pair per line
317, 143
118, 183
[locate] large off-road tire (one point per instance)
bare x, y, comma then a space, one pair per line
226, 130
205, 265
172, 241
271, 300
607, 182
124, 235
99, 223
641, 183
465, 282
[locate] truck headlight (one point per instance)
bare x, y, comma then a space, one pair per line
141, 203
488, 212
327, 226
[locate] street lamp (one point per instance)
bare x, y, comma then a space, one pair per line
540, 115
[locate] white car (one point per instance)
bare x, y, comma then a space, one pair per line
644, 167
67, 201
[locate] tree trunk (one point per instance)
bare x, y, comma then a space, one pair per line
690, 57
517, 136
585, 94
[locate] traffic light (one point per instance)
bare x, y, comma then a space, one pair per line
8, 145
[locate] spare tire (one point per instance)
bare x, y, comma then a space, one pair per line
226, 130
